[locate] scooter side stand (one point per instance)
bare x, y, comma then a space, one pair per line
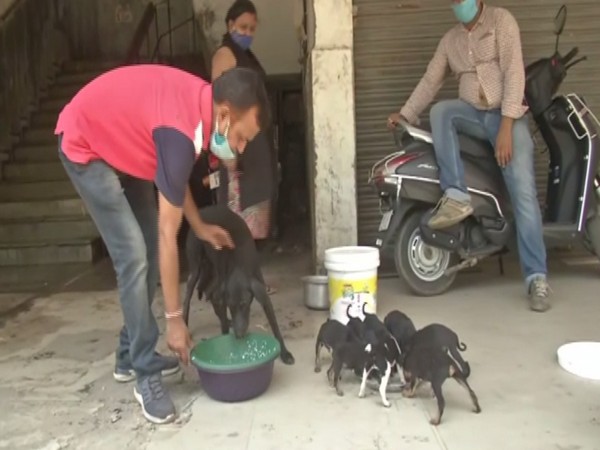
472, 261
467, 263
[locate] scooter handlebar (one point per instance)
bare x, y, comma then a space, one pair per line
569, 56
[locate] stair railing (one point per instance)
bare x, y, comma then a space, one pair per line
156, 56
142, 34
33, 50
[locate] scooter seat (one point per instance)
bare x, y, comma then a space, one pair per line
474, 147
471, 146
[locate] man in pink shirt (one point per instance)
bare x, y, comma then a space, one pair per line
130, 129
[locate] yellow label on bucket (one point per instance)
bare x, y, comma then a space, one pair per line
352, 298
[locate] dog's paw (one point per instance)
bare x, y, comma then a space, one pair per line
340, 392
408, 393
288, 358
317, 369
387, 404
477, 410
435, 421
361, 395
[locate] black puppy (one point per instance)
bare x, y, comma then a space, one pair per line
401, 327
373, 331
230, 278
383, 352
440, 336
434, 365
370, 322
351, 355
331, 334
382, 356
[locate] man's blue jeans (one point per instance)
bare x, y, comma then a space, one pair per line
452, 116
125, 213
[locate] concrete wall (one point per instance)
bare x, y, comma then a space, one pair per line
276, 45
330, 95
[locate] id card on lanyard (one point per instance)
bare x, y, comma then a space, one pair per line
214, 180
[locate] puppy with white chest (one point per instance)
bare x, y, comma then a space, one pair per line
382, 355
383, 352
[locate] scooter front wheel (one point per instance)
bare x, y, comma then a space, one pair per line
592, 229
420, 265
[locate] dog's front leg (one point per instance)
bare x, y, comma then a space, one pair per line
409, 392
337, 366
221, 311
260, 293
363, 383
189, 290
384, 383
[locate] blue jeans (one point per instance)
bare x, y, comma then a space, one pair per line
125, 214
452, 116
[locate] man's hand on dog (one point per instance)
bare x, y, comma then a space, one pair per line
215, 236
178, 339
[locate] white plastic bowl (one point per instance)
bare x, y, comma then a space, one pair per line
581, 359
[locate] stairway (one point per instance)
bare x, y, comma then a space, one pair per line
46, 234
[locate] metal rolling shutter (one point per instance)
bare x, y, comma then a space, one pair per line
393, 43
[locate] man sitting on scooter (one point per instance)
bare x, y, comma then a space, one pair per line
485, 52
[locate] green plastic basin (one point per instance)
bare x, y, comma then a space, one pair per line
234, 370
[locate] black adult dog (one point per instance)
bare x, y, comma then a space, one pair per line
230, 278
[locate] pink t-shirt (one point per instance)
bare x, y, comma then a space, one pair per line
147, 121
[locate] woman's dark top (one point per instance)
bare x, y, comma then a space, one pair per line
257, 164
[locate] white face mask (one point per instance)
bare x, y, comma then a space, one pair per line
198, 138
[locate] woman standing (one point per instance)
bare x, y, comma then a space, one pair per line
248, 186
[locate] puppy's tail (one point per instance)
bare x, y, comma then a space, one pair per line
462, 346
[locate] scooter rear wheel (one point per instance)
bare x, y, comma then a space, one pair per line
420, 265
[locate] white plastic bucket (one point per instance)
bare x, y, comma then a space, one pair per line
352, 273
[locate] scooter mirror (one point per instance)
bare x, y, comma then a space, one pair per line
560, 20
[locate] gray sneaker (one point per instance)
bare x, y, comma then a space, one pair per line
124, 373
155, 401
538, 294
449, 212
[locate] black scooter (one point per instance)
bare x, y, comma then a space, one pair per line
407, 184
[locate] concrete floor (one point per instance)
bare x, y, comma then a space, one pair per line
57, 392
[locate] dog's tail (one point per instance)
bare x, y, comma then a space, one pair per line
457, 359
462, 346
348, 312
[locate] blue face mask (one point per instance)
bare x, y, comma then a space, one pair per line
466, 10
243, 40
219, 144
